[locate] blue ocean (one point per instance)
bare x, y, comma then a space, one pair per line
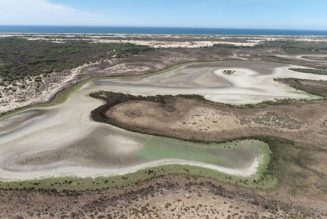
154, 30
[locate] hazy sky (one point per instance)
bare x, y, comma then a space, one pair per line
274, 14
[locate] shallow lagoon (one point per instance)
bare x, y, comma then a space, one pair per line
63, 140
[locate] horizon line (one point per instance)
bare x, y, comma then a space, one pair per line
164, 27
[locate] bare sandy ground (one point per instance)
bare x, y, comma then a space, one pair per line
251, 82
54, 83
178, 44
158, 41
173, 41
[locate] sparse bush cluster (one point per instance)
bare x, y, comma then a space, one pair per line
228, 72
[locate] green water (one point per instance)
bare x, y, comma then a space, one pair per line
235, 154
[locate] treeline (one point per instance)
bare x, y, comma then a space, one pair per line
21, 58
292, 46
288, 46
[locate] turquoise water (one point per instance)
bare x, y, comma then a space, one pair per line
154, 30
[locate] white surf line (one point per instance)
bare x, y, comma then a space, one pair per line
84, 172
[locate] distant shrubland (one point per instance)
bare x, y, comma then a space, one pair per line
22, 58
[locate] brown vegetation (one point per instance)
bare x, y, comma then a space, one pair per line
161, 197
191, 118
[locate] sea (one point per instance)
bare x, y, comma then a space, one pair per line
6, 29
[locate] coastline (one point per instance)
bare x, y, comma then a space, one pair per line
158, 30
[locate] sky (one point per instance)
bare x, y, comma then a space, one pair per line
267, 14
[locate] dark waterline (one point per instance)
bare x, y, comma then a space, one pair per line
153, 30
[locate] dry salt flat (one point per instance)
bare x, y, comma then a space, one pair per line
251, 82
63, 140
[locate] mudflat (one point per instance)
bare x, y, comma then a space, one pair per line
250, 82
